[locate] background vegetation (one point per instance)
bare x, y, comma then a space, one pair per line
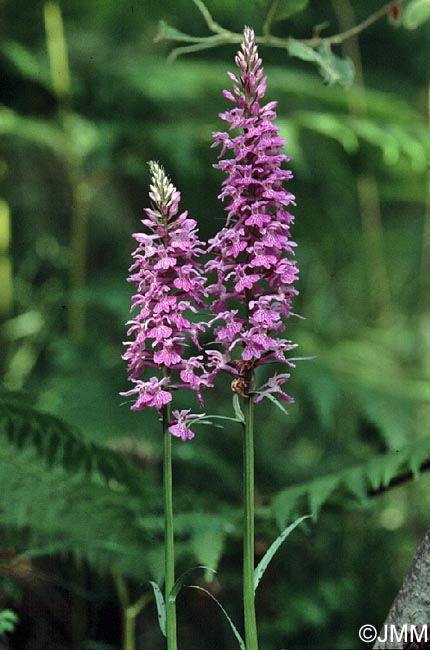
80, 476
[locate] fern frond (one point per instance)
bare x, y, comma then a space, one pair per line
59, 444
63, 512
360, 481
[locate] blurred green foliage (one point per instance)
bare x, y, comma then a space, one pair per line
80, 476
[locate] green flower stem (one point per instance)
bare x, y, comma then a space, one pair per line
251, 638
168, 532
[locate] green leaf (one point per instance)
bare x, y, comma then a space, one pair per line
25, 62
232, 625
57, 443
208, 544
301, 51
357, 485
166, 31
161, 607
320, 491
265, 561
240, 417
272, 399
180, 581
333, 68
331, 126
285, 502
218, 417
36, 131
8, 620
287, 8
358, 480
416, 13
209, 420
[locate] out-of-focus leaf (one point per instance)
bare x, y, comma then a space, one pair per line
334, 69
208, 545
25, 62
166, 31
320, 492
287, 8
72, 513
83, 135
332, 126
416, 13
302, 51
8, 621
57, 443
36, 131
378, 136
358, 480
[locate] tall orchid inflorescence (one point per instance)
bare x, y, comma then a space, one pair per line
169, 288
252, 256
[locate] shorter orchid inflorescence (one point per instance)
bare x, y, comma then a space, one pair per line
170, 288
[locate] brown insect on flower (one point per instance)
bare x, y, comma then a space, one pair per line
239, 386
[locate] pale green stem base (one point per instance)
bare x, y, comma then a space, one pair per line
129, 611
251, 638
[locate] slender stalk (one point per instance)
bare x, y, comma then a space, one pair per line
128, 632
57, 50
129, 611
269, 18
367, 186
6, 286
251, 638
81, 190
168, 532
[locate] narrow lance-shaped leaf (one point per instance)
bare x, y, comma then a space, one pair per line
265, 561
237, 409
180, 581
272, 399
161, 607
232, 625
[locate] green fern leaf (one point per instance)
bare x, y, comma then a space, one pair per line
59, 444
359, 480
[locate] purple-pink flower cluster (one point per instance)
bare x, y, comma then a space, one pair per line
169, 288
252, 265
253, 255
